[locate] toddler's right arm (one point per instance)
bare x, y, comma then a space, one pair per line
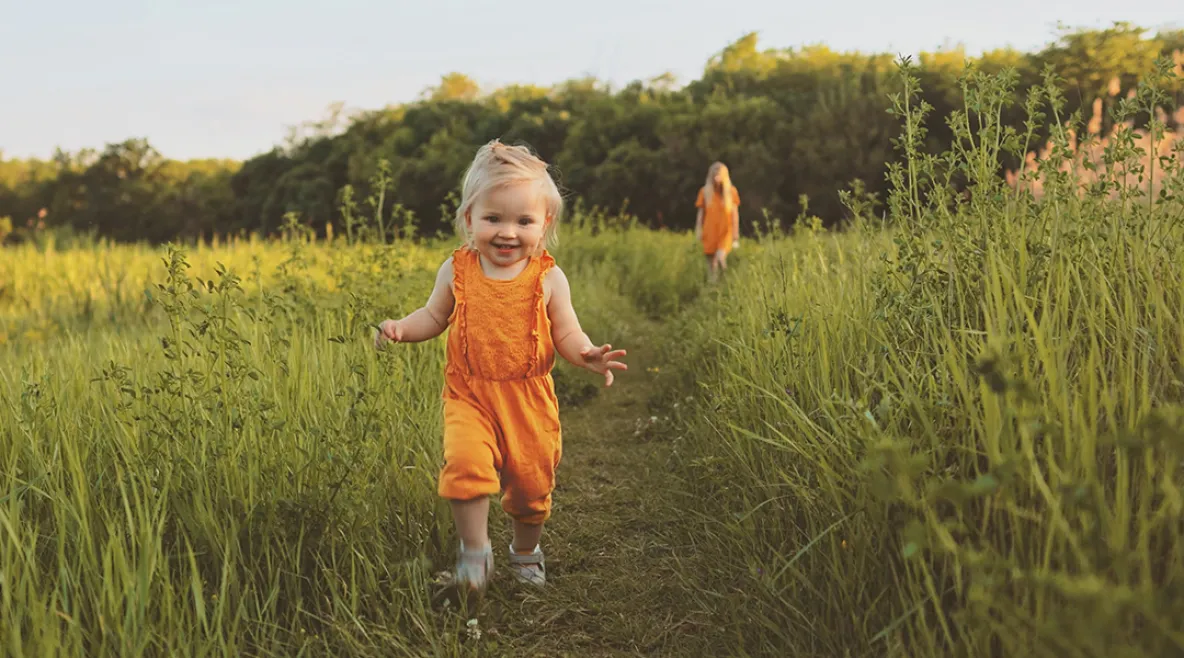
426, 322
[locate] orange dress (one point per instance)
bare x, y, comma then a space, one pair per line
717, 223
501, 416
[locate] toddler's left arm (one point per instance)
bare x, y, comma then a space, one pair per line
570, 340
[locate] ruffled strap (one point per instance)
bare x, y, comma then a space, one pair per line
544, 264
462, 266
462, 259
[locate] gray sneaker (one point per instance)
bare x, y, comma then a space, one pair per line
473, 568
530, 568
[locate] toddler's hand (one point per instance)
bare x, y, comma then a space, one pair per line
735, 244
602, 360
388, 330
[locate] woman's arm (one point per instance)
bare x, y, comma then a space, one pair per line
735, 215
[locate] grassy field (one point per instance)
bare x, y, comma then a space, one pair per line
198, 463
959, 436
956, 430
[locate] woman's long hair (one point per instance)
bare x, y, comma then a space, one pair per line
725, 187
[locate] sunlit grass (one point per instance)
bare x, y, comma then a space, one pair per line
953, 430
957, 437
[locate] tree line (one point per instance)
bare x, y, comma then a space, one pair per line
795, 126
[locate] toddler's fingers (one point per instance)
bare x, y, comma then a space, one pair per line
595, 352
608, 378
617, 365
614, 355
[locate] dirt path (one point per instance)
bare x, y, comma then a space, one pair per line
621, 568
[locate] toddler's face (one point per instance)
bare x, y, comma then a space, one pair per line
508, 223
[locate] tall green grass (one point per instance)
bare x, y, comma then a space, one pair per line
240, 475
961, 435
204, 455
954, 430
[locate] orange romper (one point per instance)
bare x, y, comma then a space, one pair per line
501, 416
717, 223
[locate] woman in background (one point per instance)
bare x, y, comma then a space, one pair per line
717, 224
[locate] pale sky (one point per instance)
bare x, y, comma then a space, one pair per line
221, 78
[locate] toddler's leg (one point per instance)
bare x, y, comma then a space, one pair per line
526, 556
474, 565
532, 454
526, 536
472, 522
469, 476
528, 501
528, 478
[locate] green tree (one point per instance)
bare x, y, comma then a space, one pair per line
789, 122
455, 87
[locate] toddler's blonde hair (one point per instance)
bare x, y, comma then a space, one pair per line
499, 165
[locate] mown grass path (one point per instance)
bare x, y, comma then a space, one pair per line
619, 546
